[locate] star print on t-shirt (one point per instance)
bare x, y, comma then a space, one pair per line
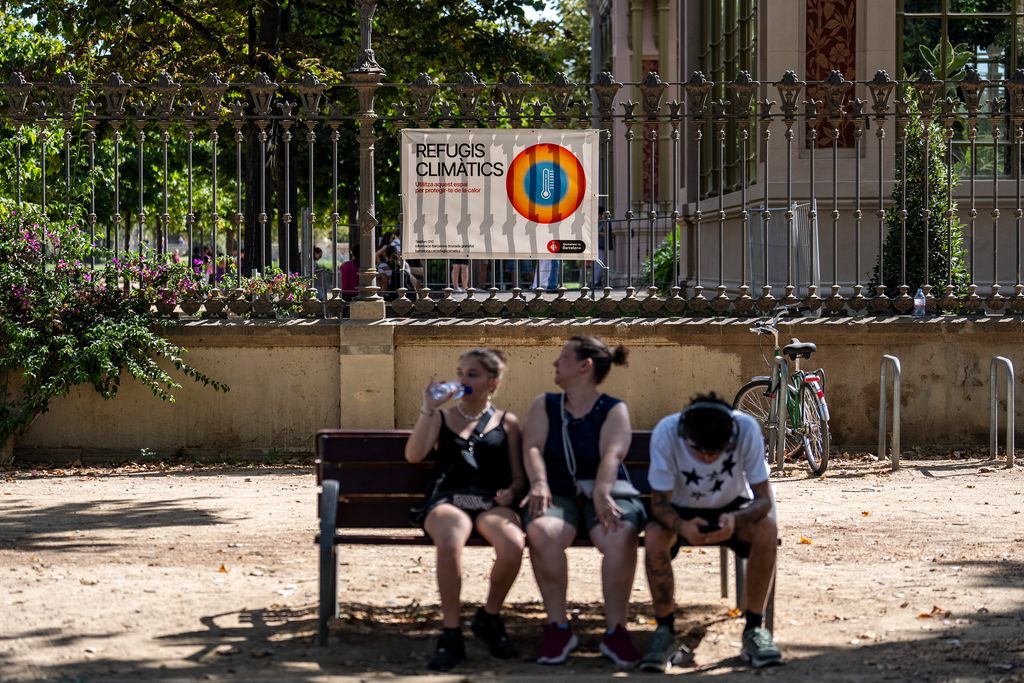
697, 495
727, 465
692, 477
718, 485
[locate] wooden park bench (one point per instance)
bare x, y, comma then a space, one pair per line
366, 483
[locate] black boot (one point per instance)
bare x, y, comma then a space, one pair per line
491, 629
451, 650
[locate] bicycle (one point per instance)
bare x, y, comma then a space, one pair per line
803, 416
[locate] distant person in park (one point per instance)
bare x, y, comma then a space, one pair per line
460, 274
574, 443
319, 274
350, 273
479, 478
709, 486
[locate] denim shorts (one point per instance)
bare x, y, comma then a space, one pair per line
577, 510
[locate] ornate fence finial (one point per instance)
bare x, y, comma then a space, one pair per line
881, 87
166, 90
423, 90
742, 93
560, 90
311, 91
928, 88
115, 91
652, 90
789, 90
468, 91
513, 92
697, 90
605, 89
973, 85
836, 87
17, 90
66, 89
1016, 88
262, 90
212, 92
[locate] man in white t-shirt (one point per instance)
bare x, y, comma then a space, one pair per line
709, 486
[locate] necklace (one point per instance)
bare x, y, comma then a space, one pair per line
471, 418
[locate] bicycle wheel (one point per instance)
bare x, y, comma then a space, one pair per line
753, 398
813, 431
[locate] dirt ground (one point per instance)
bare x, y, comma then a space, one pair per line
185, 573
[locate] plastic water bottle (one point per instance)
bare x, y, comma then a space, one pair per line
919, 303
442, 389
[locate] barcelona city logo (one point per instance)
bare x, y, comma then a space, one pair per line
545, 183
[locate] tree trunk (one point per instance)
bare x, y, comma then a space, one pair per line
267, 23
7, 452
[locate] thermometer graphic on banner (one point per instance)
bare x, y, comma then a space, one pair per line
547, 183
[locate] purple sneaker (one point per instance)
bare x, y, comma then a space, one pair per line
618, 647
558, 643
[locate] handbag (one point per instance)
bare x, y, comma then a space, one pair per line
622, 488
418, 513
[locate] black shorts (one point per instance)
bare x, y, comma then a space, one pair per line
458, 498
741, 548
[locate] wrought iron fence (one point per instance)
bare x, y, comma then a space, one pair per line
719, 198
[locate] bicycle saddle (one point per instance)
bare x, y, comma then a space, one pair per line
795, 348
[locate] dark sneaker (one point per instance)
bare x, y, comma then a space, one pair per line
658, 657
759, 648
618, 647
558, 643
491, 629
451, 649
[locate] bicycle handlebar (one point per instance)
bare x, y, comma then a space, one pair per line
768, 327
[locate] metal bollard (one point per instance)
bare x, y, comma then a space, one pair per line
883, 409
781, 409
993, 404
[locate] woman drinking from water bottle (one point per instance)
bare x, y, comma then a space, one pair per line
479, 476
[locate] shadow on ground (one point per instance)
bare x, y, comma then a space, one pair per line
278, 644
26, 527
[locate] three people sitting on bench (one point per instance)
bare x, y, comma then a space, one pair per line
709, 482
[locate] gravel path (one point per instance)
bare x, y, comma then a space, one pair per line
187, 573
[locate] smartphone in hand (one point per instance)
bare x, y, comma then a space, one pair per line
709, 527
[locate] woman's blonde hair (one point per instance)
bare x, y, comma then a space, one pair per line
493, 360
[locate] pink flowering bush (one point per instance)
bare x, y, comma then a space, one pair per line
64, 322
287, 292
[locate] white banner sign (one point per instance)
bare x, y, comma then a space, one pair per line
499, 193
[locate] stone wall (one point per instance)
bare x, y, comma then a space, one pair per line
289, 379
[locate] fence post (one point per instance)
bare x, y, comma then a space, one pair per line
366, 77
883, 409
993, 405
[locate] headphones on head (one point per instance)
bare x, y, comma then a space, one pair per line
714, 406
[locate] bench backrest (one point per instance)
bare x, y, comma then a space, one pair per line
378, 486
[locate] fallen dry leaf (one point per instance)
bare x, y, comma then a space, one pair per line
865, 513
734, 612
805, 541
223, 569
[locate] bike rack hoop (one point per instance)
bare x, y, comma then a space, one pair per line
993, 404
887, 361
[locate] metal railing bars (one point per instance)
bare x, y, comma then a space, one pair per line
993, 405
653, 160
897, 371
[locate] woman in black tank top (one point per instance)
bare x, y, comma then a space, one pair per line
573, 447
478, 479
